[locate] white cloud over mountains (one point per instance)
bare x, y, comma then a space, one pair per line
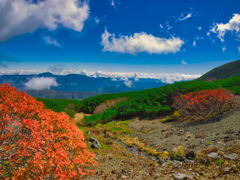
124, 76
140, 42
21, 16
40, 83
164, 77
233, 25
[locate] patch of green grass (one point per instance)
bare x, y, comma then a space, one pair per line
61, 105
219, 161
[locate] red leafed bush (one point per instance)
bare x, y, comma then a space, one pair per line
37, 143
204, 105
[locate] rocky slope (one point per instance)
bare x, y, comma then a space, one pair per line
192, 151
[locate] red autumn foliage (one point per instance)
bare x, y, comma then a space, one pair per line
37, 143
204, 105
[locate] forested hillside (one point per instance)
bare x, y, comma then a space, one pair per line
147, 103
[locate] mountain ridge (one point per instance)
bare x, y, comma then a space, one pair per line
76, 86
228, 70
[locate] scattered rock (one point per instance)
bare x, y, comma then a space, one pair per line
180, 157
190, 155
214, 155
95, 143
124, 177
177, 163
181, 176
226, 138
232, 169
161, 161
179, 153
232, 156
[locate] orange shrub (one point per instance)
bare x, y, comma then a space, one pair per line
37, 143
204, 104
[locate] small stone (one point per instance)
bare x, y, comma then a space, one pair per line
114, 172
181, 176
190, 155
167, 163
214, 155
95, 143
161, 161
177, 163
124, 177
232, 156
226, 137
92, 139
231, 169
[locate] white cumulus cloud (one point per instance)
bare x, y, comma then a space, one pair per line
183, 18
51, 41
233, 25
40, 83
23, 16
140, 42
128, 83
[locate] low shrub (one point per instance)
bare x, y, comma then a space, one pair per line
203, 105
37, 142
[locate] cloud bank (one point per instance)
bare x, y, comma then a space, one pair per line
140, 42
233, 25
41, 83
23, 16
124, 76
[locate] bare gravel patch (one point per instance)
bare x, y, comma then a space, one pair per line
166, 136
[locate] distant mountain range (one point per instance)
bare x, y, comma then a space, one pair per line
224, 71
75, 86
87, 84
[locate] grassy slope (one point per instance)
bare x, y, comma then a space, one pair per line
228, 70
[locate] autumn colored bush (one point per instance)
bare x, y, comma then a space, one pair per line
204, 105
37, 143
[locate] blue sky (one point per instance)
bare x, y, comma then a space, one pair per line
147, 36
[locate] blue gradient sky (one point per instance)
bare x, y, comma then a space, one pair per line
119, 35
